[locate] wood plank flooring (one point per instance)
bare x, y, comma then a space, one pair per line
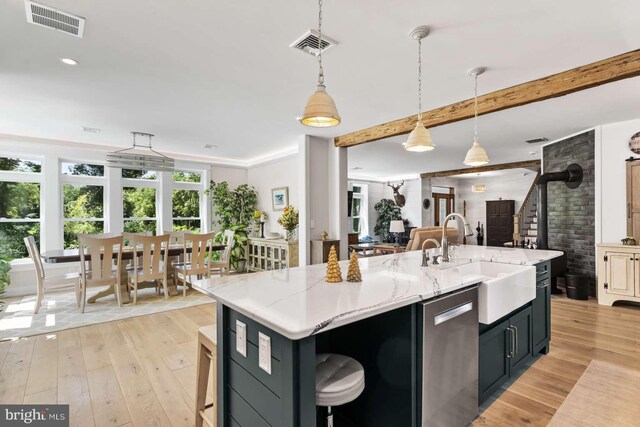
141, 371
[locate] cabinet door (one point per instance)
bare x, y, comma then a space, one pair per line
637, 271
493, 363
620, 273
521, 326
633, 199
541, 315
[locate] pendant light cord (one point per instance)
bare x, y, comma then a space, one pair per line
320, 70
475, 105
420, 79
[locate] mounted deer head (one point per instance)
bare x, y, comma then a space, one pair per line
399, 198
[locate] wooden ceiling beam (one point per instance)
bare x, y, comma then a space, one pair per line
527, 164
577, 79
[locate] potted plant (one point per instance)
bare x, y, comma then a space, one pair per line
5, 278
387, 211
234, 210
289, 221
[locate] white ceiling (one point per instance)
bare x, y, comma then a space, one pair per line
221, 72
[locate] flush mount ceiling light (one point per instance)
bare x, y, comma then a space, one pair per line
420, 138
210, 146
478, 188
126, 159
476, 156
69, 61
320, 110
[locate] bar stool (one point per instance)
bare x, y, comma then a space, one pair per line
207, 339
339, 380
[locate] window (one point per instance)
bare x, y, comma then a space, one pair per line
83, 201
19, 205
139, 189
186, 201
360, 210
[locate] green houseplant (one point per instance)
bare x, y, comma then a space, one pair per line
387, 211
234, 211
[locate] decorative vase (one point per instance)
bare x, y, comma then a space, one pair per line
290, 235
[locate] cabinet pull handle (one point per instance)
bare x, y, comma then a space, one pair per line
454, 312
543, 284
515, 330
511, 343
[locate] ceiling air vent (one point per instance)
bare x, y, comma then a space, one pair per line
309, 43
536, 140
58, 20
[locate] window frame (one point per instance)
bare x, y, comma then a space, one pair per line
143, 183
363, 196
81, 180
20, 177
185, 185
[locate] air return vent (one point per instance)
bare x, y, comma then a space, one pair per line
309, 43
536, 140
58, 20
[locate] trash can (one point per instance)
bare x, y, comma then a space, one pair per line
577, 286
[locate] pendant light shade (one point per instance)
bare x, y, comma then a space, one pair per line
419, 139
320, 110
476, 156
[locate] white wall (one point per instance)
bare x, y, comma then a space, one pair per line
275, 174
234, 176
612, 148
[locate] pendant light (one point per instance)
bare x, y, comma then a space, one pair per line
320, 110
476, 156
420, 138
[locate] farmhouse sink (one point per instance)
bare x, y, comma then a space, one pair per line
504, 287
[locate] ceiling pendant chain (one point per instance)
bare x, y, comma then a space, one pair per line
320, 70
475, 103
420, 79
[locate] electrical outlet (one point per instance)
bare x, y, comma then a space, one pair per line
241, 338
264, 352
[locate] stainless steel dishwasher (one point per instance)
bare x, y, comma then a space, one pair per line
450, 359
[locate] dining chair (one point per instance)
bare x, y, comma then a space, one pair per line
152, 265
100, 271
197, 264
224, 263
44, 282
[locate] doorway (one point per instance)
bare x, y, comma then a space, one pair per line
444, 205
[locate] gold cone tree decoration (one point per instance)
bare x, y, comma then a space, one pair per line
353, 271
334, 275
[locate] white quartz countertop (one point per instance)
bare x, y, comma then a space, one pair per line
297, 302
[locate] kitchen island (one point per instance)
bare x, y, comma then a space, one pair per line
271, 325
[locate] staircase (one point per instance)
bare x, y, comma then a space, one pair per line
525, 222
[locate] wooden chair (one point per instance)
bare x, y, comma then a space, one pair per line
206, 360
148, 267
224, 263
100, 271
44, 283
198, 261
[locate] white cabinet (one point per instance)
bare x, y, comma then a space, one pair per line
618, 271
271, 254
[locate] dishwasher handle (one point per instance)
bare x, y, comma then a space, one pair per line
452, 313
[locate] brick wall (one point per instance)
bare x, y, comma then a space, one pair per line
572, 212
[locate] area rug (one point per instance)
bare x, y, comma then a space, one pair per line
59, 311
605, 395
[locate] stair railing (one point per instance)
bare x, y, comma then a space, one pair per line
519, 217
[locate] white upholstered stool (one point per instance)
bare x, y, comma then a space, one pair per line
339, 380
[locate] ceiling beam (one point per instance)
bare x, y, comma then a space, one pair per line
595, 74
527, 164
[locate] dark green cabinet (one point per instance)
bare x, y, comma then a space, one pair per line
505, 348
493, 363
541, 311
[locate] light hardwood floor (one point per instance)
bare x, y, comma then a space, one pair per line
141, 371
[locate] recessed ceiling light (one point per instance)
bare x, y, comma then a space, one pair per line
91, 130
533, 153
537, 140
356, 168
209, 146
69, 61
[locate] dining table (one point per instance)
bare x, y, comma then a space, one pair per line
58, 256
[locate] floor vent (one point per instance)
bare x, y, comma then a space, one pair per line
309, 43
58, 20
